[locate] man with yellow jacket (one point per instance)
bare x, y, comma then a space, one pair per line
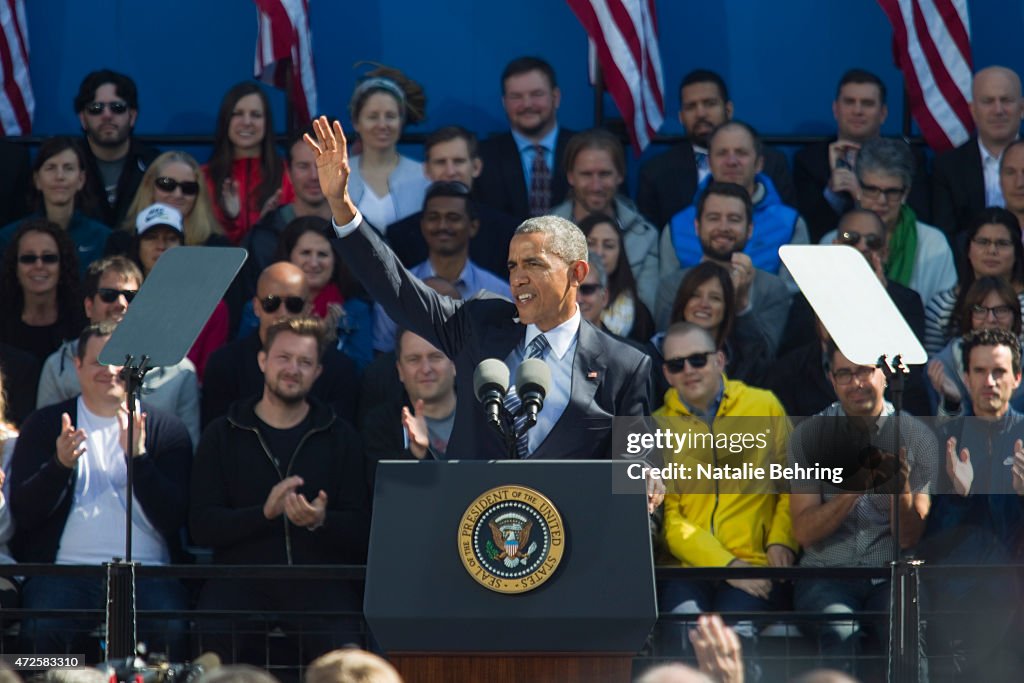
721, 510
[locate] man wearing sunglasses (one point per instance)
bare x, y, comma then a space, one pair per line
233, 373
734, 524
109, 287
107, 105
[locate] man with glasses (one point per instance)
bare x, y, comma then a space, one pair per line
233, 373
109, 287
850, 523
737, 523
107, 105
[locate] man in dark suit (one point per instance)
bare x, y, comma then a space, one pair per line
669, 181
823, 171
967, 178
594, 377
523, 173
453, 154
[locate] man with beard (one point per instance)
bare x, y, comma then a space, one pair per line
448, 224
108, 105
281, 480
522, 168
724, 225
669, 181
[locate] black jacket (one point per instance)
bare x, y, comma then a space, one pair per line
42, 489
233, 475
135, 163
958, 190
502, 183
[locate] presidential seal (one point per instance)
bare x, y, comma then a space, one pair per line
511, 539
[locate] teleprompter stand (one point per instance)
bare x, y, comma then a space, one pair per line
161, 325
869, 330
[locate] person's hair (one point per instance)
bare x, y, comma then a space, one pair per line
564, 239
824, 676
890, 156
449, 133
524, 65
622, 280
123, 86
81, 674
858, 211
1006, 150
723, 189
670, 673
104, 328
600, 139
977, 292
697, 276
596, 264
303, 327
48, 149
734, 123
351, 666
296, 137
992, 215
70, 315
451, 188
993, 337
200, 223
223, 156
704, 76
237, 673
289, 237
410, 95
682, 327
121, 265
861, 76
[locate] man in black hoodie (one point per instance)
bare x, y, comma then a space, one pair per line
281, 480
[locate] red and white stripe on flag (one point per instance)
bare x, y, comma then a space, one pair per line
624, 36
17, 103
284, 46
932, 47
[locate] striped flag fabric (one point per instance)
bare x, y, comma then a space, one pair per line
284, 54
17, 103
623, 35
932, 47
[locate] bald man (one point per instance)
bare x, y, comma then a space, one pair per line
674, 673
233, 372
967, 178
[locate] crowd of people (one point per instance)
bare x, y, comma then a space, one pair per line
262, 443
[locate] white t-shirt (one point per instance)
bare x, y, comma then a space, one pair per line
378, 211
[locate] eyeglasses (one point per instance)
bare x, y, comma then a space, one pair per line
986, 243
96, 108
29, 259
852, 238
108, 295
874, 193
589, 289
1002, 312
844, 377
696, 361
294, 304
188, 187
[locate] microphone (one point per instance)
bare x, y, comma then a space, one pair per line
533, 381
490, 383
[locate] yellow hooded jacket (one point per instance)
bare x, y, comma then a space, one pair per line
716, 523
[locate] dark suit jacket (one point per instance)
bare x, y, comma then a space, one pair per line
489, 249
14, 182
609, 378
958, 190
668, 182
502, 184
811, 171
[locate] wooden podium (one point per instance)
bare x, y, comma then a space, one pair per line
439, 614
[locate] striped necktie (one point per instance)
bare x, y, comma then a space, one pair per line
512, 402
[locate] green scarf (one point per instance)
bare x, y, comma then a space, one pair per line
902, 247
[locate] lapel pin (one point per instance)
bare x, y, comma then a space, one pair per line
592, 374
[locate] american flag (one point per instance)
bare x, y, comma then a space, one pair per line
284, 54
624, 36
932, 46
17, 104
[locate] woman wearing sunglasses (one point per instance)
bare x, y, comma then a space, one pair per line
989, 303
58, 179
993, 249
40, 303
625, 315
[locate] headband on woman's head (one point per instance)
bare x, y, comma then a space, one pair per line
379, 83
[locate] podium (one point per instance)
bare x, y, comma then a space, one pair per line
510, 570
